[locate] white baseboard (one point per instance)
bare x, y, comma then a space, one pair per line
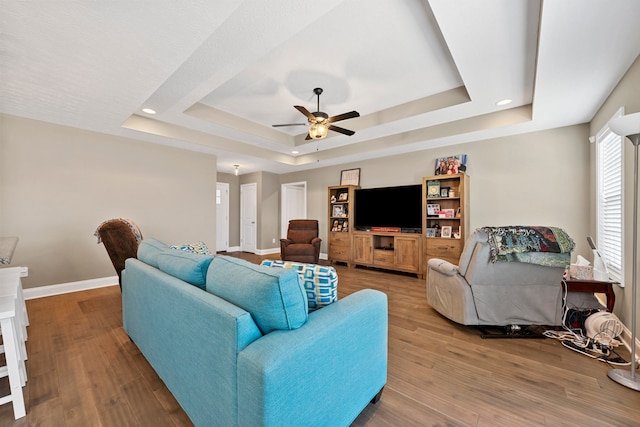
65, 288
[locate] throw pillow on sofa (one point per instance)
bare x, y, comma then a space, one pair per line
149, 249
320, 282
189, 267
275, 298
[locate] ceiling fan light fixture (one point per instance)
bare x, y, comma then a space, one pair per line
318, 130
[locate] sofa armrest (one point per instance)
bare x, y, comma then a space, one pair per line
442, 266
324, 373
316, 241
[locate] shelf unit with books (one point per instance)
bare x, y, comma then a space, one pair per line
340, 213
445, 221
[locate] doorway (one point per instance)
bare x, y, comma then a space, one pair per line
222, 216
248, 217
293, 204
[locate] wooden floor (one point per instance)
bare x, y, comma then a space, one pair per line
84, 371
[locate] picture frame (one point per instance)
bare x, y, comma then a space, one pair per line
445, 231
451, 165
342, 197
431, 232
444, 191
338, 211
446, 213
433, 209
350, 177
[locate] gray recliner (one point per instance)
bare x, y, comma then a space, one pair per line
481, 292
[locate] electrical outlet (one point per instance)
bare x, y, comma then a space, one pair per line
273, 240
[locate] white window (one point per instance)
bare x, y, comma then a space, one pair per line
609, 172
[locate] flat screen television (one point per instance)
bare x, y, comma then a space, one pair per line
398, 207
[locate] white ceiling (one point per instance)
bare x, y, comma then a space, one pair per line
219, 73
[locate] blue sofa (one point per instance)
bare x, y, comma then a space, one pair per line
235, 344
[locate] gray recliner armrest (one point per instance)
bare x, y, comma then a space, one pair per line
444, 267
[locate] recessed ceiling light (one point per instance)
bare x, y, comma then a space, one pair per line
148, 110
295, 152
504, 102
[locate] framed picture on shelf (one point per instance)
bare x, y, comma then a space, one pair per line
350, 177
445, 231
444, 191
446, 213
433, 209
343, 196
431, 232
451, 165
338, 211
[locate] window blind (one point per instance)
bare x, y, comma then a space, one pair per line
609, 171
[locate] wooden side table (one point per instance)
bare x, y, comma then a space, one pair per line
591, 286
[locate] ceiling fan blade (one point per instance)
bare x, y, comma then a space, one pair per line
344, 116
341, 130
305, 112
289, 124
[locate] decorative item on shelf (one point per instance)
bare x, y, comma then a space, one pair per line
350, 177
343, 196
338, 211
456, 234
459, 212
446, 213
431, 232
444, 191
451, 165
446, 231
333, 198
629, 126
452, 193
433, 189
433, 209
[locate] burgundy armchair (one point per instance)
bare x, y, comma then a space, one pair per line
302, 243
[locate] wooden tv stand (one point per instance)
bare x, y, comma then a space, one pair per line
388, 250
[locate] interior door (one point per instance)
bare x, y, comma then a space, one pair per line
294, 204
222, 216
248, 217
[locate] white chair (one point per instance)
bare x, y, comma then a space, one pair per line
13, 326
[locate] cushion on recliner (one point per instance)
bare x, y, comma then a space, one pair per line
320, 282
149, 249
275, 297
187, 266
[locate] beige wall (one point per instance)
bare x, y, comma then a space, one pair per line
57, 184
627, 95
538, 178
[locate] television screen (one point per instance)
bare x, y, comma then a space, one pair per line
389, 207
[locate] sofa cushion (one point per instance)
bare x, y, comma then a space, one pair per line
275, 297
149, 249
320, 282
187, 266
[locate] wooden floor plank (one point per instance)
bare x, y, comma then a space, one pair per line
84, 371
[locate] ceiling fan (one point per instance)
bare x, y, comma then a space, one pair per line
320, 123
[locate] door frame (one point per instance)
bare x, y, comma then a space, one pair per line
286, 199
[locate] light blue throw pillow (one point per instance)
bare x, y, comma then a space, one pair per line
149, 249
187, 266
275, 297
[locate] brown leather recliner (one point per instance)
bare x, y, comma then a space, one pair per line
121, 238
302, 243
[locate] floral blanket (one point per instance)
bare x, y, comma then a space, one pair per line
550, 246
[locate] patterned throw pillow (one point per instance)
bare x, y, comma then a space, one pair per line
196, 248
320, 282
